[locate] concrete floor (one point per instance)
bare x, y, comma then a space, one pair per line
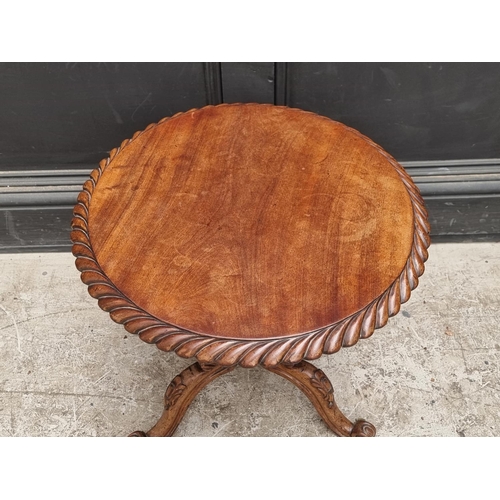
67, 370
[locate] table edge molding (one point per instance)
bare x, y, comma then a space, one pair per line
247, 352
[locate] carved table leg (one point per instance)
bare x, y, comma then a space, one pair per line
179, 395
316, 386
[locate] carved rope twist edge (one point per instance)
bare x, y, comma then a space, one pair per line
247, 353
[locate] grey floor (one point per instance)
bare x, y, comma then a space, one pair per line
67, 370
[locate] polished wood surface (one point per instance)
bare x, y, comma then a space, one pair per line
251, 222
332, 273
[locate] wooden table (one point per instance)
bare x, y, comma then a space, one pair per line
250, 234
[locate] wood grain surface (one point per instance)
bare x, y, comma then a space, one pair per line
251, 221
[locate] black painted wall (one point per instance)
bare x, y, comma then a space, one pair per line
441, 120
417, 111
56, 115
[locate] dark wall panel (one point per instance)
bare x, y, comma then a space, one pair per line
248, 82
416, 111
55, 115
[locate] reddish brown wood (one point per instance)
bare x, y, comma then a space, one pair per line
246, 234
251, 222
180, 394
315, 385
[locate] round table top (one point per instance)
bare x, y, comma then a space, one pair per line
250, 225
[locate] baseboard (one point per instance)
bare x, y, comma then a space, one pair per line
456, 177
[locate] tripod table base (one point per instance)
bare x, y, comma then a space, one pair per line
309, 379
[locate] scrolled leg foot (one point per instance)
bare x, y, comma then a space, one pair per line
137, 434
315, 385
362, 428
